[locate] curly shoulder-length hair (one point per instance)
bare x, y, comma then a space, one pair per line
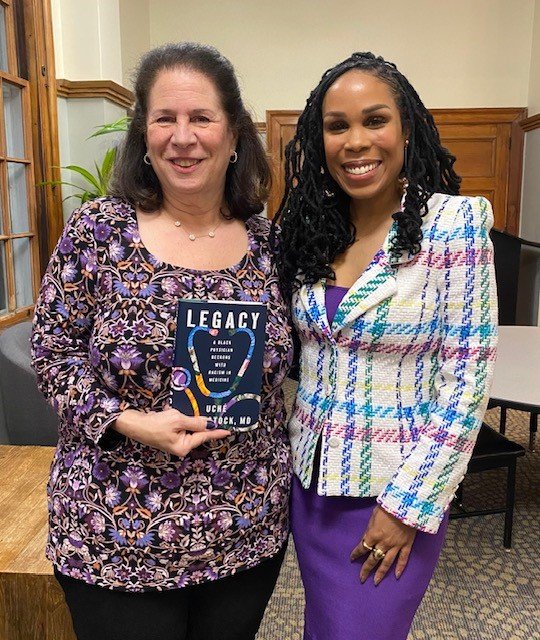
247, 181
314, 218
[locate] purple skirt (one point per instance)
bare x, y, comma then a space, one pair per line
338, 606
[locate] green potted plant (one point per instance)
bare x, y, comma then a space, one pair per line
96, 184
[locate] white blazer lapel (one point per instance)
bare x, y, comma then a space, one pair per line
377, 283
312, 300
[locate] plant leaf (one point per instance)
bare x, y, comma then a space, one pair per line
85, 174
79, 196
88, 195
99, 176
107, 166
121, 125
55, 183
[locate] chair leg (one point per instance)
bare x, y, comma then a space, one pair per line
533, 428
502, 423
459, 495
510, 500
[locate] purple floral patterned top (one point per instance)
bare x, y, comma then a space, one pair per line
124, 515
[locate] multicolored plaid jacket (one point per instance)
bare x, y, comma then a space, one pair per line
397, 386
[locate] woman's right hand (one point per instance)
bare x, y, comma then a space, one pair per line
167, 430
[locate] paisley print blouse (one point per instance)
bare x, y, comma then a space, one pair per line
123, 515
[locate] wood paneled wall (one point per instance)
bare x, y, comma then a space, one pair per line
488, 145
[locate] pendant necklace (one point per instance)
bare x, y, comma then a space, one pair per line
209, 234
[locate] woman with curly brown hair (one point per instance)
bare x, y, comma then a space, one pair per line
161, 525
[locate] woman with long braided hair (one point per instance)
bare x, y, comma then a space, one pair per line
391, 278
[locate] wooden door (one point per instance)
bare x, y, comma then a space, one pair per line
280, 129
488, 145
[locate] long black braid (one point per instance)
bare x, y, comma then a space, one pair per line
314, 214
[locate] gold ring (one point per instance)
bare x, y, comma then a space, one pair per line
366, 546
377, 553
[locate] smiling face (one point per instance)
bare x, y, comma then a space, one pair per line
189, 141
363, 137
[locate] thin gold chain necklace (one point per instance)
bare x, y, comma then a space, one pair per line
193, 236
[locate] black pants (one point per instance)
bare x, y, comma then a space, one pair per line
228, 609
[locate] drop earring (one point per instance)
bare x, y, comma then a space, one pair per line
406, 154
403, 182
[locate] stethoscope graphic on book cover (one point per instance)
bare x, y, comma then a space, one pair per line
182, 378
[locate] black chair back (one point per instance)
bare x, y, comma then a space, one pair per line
507, 251
517, 271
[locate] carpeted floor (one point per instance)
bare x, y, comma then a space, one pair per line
479, 591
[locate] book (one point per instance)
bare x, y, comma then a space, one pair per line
218, 360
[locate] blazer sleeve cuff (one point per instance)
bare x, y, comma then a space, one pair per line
419, 514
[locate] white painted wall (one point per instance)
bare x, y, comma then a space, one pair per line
465, 53
135, 34
87, 39
530, 204
468, 53
87, 46
534, 77
78, 119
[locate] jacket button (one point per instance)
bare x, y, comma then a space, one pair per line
333, 442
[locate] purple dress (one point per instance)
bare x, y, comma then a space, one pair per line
325, 531
123, 515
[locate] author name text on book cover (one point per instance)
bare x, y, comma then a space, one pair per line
217, 371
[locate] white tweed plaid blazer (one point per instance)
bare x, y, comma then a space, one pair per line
397, 386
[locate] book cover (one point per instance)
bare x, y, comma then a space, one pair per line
218, 358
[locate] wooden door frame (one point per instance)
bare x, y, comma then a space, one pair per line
39, 43
31, 64
275, 119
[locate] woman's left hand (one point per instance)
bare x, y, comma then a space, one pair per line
390, 535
